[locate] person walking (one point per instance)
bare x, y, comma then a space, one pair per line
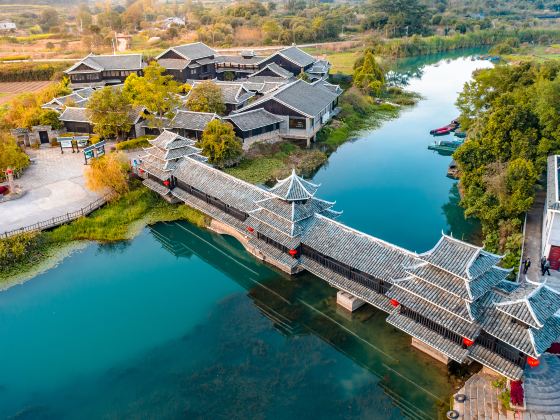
546, 267
526, 265
543, 262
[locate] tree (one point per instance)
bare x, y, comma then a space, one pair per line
11, 156
157, 92
404, 17
49, 19
108, 173
368, 77
220, 145
109, 111
206, 97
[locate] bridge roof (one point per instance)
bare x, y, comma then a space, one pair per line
294, 188
356, 249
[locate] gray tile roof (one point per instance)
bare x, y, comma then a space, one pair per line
169, 140
276, 69
238, 59
111, 62
297, 56
499, 325
357, 249
230, 190
232, 92
190, 120
495, 362
294, 188
194, 51
173, 63
427, 336
295, 211
531, 303
434, 313
301, 96
72, 114
156, 186
252, 119
460, 258
440, 278
435, 295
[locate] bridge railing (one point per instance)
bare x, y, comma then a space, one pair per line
58, 220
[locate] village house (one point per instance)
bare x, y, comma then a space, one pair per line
76, 120
190, 61
255, 126
235, 95
78, 98
102, 70
7, 26
233, 67
292, 59
305, 107
191, 124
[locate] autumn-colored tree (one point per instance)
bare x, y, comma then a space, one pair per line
206, 96
108, 174
11, 156
110, 112
220, 145
155, 91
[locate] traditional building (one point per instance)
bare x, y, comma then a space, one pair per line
78, 98
283, 219
305, 107
161, 159
235, 95
191, 124
189, 62
551, 222
255, 126
102, 70
76, 120
292, 59
233, 67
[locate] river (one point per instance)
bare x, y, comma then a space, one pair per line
180, 322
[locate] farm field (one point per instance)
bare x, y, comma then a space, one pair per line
10, 90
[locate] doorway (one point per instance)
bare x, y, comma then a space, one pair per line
44, 137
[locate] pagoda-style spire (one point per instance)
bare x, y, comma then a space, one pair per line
294, 188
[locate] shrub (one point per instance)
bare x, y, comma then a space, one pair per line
516, 392
15, 249
136, 143
28, 72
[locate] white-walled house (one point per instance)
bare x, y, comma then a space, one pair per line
551, 221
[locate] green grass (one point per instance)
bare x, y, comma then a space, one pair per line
342, 62
116, 221
258, 170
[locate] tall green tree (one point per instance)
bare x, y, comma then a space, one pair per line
11, 156
220, 145
155, 91
206, 97
368, 75
404, 17
109, 110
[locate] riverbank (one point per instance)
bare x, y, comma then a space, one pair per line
24, 256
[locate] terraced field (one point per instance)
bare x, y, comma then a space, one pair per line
11, 89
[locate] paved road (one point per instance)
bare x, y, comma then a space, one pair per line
54, 186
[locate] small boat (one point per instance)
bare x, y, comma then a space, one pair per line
442, 131
461, 134
446, 146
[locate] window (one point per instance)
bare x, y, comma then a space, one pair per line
297, 123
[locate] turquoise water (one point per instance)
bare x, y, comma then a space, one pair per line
182, 323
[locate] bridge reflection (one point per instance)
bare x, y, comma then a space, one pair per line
303, 305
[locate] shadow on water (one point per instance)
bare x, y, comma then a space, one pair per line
305, 305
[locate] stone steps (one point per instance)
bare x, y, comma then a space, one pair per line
482, 400
542, 390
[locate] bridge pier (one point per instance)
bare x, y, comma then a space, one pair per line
348, 301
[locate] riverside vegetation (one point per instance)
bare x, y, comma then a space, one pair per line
119, 220
512, 115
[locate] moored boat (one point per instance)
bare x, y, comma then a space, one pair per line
447, 146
